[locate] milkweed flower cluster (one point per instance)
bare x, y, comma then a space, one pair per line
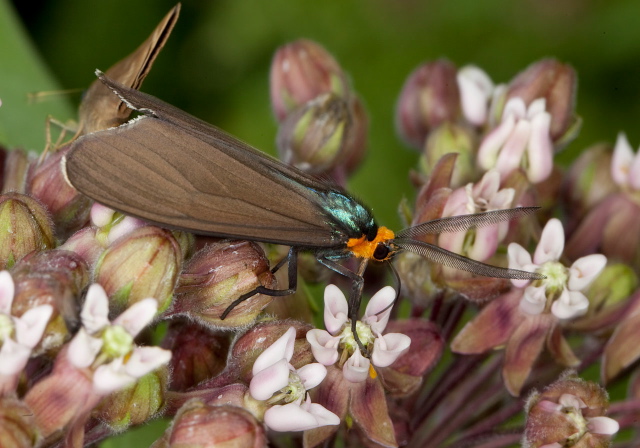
107, 321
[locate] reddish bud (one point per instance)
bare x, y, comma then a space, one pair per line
17, 428
429, 98
556, 83
16, 164
197, 353
46, 182
200, 425
217, 275
301, 71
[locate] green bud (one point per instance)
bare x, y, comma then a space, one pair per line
17, 429
448, 138
137, 403
313, 136
24, 227
144, 263
613, 286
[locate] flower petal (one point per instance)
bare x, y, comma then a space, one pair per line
111, 377
603, 425
13, 357
95, 310
493, 142
336, 309
146, 359
513, 150
520, 259
551, 243
356, 369
30, 326
83, 349
585, 270
324, 346
621, 160
570, 304
475, 90
101, 215
270, 380
534, 300
379, 309
293, 417
282, 348
124, 227
312, 374
7, 291
137, 316
540, 149
388, 348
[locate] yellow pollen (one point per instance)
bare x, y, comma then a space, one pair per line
372, 372
362, 248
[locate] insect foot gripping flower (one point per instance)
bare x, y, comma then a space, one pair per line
18, 335
99, 360
616, 215
535, 313
285, 388
569, 412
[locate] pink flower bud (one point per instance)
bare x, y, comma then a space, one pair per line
17, 429
301, 71
556, 83
217, 275
569, 412
198, 353
199, 425
429, 98
16, 164
46, 182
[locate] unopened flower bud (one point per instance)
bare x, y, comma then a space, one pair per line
429, 97
144, 263
589, 180
17, 429
301, 71
84, 243
358, 137
448, 138
569, 412
46, 182
197, 353
219, 274
556, 83
313, 136
24, 227
55, 278
135, 404
199, 425
16, 164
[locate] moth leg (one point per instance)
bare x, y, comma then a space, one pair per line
357, 283
292, 259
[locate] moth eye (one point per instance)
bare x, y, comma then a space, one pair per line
381, 252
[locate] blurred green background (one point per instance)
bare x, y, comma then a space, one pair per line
216, 63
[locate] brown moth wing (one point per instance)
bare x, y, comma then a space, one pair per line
174, 176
